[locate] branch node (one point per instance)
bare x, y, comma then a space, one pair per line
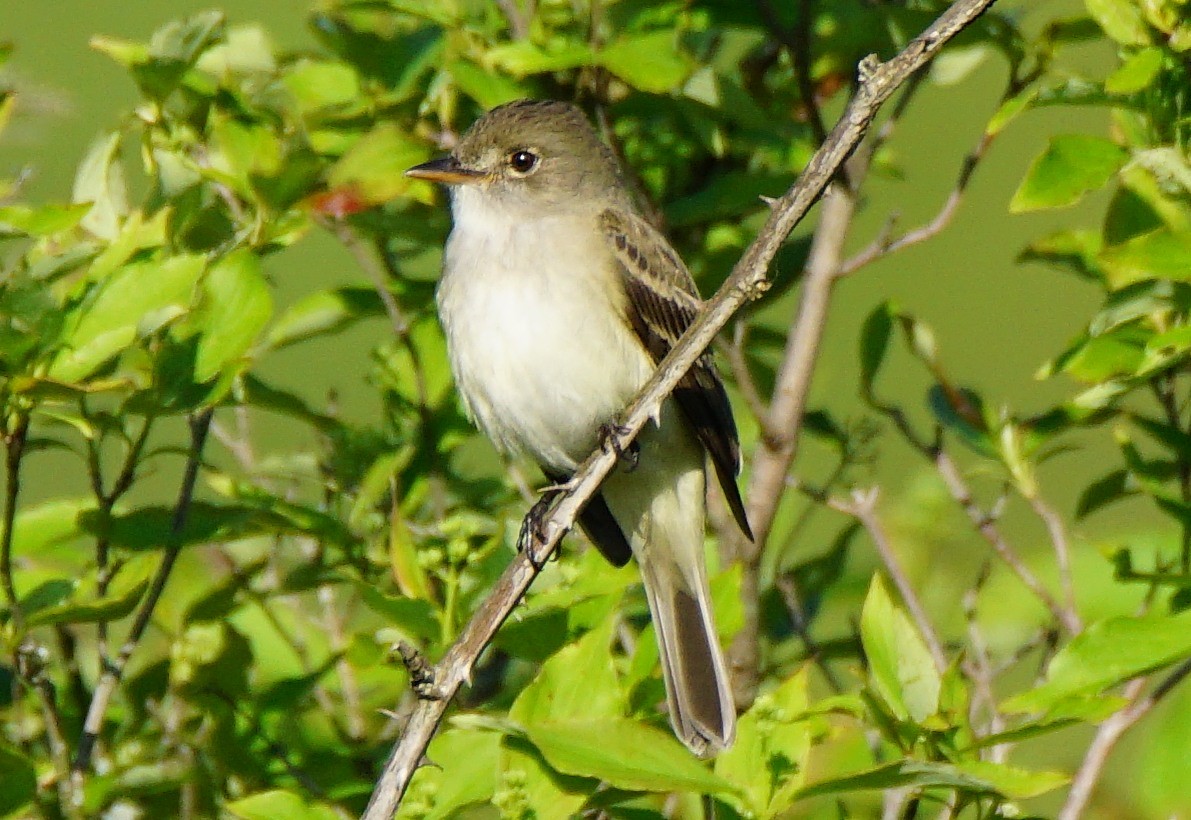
756, 290
421, 672
867, 68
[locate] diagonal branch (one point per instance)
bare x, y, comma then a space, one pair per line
748, 281
200, 425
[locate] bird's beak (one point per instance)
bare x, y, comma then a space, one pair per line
446, 170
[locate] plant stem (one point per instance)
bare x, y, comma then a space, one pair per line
200, 425
14, 444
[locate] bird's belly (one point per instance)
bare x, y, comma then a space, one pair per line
541, 363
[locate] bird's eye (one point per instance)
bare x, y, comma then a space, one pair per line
523, 161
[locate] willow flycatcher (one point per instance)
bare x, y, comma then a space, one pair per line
558, 300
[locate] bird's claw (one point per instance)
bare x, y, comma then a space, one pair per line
629, 456
533, 526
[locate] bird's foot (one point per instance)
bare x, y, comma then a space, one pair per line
627, 456
533, 526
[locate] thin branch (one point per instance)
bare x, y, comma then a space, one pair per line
742, 375
107, 499
14, 444
31, 662
981, 668
987, 527
884, 245
517, 19
200, 424
348, 683
1062, 547
748, 280
776, 451
863, 507
1110, 732
369, 263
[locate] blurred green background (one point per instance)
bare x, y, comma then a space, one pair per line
996, 321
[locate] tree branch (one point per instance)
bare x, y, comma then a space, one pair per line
14, 443
1110, 732
863, 507
200, 424
747, 281
985, 525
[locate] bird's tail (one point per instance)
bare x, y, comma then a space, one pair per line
659, 507
697, 688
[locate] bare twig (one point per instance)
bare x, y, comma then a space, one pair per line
1061, 544
31, 664
1110, 732
987, 528
884, 244
14, 443
747, 281
200, 424
517, 19
775, 452
107, 499
863, 507
742, 375
348, 683
980, 669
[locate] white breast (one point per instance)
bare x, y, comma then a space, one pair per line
540, 353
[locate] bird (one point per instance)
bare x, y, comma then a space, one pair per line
557, 300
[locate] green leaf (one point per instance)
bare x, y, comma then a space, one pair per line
648, 62
773, 741
1138, 72
100, 181
43, 221
1116, 353
1108, 653
624, 754
236, 304
1074, 250
485, 87
110, 323
578, 683
374, 168
523, 57
901, 666
322, 84
111, 608
1161, 254
258, 394
278, 513
18, 780
920, 774
173, 50
412, 615
324, 312
149, 527
40, 527
1012, 782
874, 345
241, 149
277, 804
470, 777
1100, 493
1071, 166
1121, 20
526, 780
